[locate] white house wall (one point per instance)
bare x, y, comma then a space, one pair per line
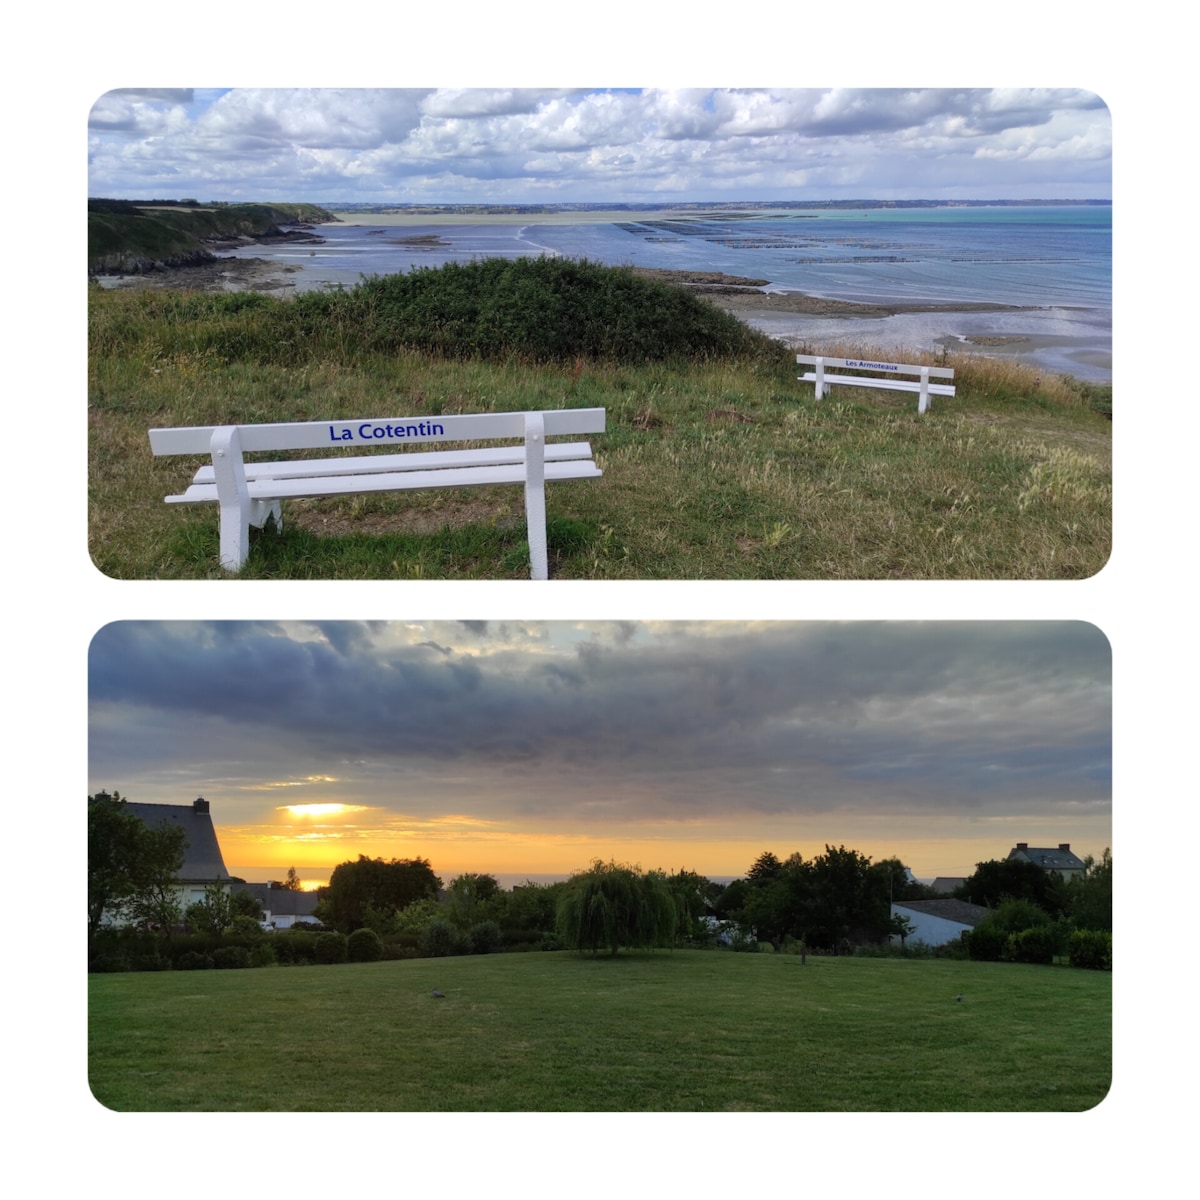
933, 931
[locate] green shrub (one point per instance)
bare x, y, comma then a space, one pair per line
296, 947
262, 954
1091, 948
987, 942
1014, 915
331, 947
108, 962
439, 939
1035, 945
230, 957
484, 937
363, 945
194, 960
244, 927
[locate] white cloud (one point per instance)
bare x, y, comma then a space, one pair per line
452, 145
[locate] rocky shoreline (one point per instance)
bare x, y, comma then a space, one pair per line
206, 270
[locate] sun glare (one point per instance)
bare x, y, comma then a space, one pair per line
321, 810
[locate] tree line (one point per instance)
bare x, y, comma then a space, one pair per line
831, 903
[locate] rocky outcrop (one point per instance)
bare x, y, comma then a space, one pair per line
123, 263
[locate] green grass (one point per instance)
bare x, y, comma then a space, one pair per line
683, 1030
715, 467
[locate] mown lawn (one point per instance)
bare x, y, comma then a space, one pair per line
682, 1030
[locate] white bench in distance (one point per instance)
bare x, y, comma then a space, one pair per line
249, 492
887, 376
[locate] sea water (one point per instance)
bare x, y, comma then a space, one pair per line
1052, 263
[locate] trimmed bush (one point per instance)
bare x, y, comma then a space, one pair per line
298, 947
331, 947
230, 957
194, 960
262, 954
363, 945
1090, 948
987, 942
1034, 945
485, 937
439, 939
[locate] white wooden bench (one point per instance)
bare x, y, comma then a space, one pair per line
249, 492
884, 375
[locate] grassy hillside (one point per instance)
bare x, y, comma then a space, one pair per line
124, 233
718, 463
682, 1030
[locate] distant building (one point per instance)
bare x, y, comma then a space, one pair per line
945, 885
936, 922
281, 907
1060, 861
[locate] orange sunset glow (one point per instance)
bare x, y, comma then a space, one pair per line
533, 748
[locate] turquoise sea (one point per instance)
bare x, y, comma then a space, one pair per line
1054, 262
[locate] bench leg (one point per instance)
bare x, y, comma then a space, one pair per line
535, 494
235, 536
233, 497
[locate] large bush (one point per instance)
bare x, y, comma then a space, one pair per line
331, 947
1091, 948
228, 957
987, 942
295, 947
1034, 945
439, 939
364, 945
485, 937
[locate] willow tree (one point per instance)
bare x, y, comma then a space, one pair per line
614, 905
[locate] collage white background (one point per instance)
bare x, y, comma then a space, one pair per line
55, 600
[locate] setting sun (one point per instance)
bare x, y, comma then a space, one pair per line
321, 810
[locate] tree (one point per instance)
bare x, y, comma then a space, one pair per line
132, 869
387, 886
114, 834
532, 907
998, 880
1089, 896
292, 882
155, 904
213, 913
614, 905
244, 904
472, 898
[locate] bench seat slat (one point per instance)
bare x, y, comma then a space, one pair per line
871, 381
339, 485
412, 461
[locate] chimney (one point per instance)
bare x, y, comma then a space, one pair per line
1065, 847
1022, 845
200, 806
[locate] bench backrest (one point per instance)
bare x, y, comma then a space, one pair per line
865, 364
310, 435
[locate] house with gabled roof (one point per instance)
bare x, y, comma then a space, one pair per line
1060, 861
936, 922
202, 861
281, 907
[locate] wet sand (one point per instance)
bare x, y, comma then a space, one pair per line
738, 295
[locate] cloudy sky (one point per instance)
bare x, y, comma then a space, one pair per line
530, 145
532, 748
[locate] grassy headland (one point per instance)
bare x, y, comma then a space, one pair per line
127, 236
685, 1030
718, 463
